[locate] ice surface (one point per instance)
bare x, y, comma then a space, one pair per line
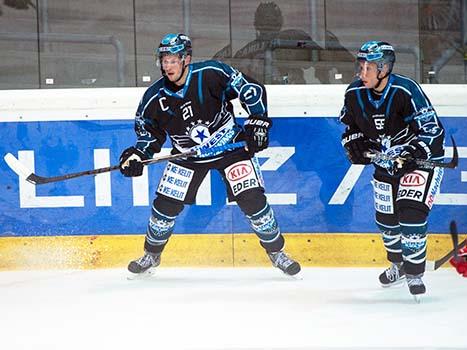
241, 308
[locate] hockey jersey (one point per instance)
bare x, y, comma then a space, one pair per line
199, 113
400, 114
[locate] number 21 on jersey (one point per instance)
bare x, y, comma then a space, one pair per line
187, 111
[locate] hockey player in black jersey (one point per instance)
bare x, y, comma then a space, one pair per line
191, 105
390, 113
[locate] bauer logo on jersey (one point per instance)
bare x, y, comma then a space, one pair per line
175, 181
413, 186
241, 177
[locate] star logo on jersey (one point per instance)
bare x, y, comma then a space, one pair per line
198, 131
200, 134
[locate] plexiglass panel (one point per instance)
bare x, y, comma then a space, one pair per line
86, 43
64, 43
19, 59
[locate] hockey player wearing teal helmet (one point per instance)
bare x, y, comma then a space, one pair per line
389, 112
375, 61
191, 105
174, 55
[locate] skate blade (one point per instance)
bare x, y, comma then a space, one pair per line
298, 276
140, 276
417, 298
397, 283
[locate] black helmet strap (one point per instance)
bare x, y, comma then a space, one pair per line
380, 80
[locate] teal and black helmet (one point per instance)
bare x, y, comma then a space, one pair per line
175, 44
378, 52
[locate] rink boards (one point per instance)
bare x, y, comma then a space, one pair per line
323, 203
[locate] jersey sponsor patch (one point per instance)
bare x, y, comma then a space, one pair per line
242, 176
413, 185
175, 181
383, 197
435, 184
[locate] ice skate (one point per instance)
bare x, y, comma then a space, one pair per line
416, 286
393, 275
144, 264
284, 263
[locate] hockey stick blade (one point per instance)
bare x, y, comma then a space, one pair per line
22, 171
35, 179
454, 236
433, 265
375, 155
455, 154
17, 166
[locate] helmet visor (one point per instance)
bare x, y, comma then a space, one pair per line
370, 57
364, 67
170, 49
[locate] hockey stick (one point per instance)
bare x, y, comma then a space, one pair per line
376, 156
454, 236
27, 174
436, 264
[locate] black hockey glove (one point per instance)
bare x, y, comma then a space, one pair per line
257, 133
355, 144
414, 150
130, 162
